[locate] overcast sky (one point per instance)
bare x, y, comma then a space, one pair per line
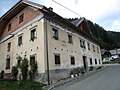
102, 12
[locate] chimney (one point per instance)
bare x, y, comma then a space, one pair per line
50, 8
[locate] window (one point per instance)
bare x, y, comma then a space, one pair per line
93, 48
9, 47
9, 27
82, 43
72, 60
18, 62
99, 61
20, 40
32, 60
33, 34
55, 33
21, 17
57, 59
97, 50
90, 61
88, 45
95, 61
8, 63
70, 38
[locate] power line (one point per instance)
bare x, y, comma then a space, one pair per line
66, 8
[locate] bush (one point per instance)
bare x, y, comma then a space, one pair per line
91, 68
82, 70
77, 71
15, 72
23, 66
33, 70
2, 74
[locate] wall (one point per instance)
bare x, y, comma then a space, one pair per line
28, 47
56, 46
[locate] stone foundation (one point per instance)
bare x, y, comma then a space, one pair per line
55, 75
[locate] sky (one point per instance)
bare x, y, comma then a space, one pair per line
103, 12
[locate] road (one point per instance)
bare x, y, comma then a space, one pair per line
107, 79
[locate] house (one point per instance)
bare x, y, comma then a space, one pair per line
115, 51
36, 32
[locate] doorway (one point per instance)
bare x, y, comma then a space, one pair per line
85, 64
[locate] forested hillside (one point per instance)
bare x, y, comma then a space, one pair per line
108, 39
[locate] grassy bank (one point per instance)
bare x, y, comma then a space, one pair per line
23, 85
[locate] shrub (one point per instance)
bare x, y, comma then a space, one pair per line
33, 70
23, 66
91, 68
82, 70
15, 72
2, 74
76, 71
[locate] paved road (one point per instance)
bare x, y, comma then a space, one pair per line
107, 79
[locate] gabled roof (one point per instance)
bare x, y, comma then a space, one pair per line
78, 21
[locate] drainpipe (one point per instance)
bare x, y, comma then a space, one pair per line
48, 75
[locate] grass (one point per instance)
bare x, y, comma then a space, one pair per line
23, 85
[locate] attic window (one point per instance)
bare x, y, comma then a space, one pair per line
9, 27
21, 17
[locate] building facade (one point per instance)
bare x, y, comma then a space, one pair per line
33, 31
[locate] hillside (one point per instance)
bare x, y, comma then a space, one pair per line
109, 39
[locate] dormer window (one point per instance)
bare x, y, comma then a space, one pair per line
21, 17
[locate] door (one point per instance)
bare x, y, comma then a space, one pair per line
85, 65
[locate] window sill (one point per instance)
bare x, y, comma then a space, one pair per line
70, 42
7, 68
55, 38
20, 45
33, 39
57, 64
